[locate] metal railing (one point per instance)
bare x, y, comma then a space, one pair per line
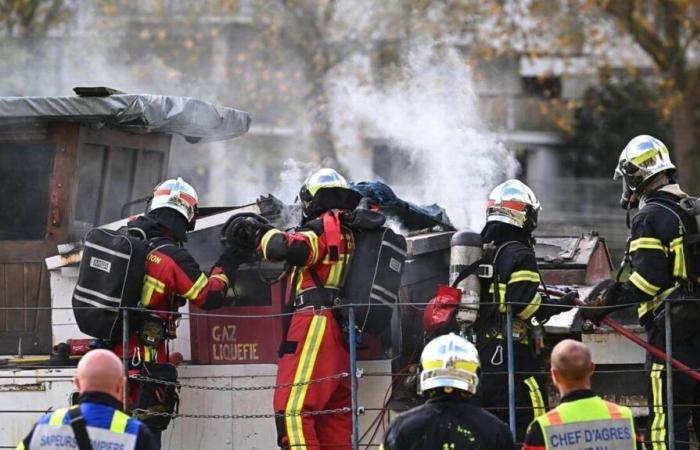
356, 410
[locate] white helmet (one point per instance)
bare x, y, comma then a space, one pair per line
449, 361
178, 195
514, 203
642, 158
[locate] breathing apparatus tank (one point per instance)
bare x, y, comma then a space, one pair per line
466, 249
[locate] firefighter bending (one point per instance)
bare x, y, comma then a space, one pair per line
511, 216
172, 277
582, 419
659, 254
314, 345
450, 418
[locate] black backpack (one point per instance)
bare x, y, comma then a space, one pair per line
687, 211
111, 276
374, 277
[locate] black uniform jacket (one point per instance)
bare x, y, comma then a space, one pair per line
448, 422
656, 250
517, 278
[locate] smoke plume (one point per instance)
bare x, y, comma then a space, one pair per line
431, 117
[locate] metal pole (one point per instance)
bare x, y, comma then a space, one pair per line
125, 354
669, 376
353, 378
511, 369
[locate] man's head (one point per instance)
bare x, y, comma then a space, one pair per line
176, 195
449, 363
572, 366
100, 371
644, 165
326, 189
514, 203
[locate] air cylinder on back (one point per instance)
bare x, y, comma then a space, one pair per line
466, 248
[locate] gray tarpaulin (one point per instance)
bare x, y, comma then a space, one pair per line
195, 119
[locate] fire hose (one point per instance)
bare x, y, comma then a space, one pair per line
657, 352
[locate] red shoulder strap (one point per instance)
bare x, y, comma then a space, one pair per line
332, 233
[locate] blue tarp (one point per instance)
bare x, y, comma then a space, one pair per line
414, 217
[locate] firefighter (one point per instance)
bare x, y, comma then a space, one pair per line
172, 278
512, 213
582, 419
314, 345
450, 418
98, 417
657, 251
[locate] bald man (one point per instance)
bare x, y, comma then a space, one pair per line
97, 419
582, 420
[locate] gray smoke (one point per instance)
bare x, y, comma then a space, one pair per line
431, 116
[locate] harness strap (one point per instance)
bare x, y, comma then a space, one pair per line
77, 423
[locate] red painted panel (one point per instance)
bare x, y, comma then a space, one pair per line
245, 340
238, 340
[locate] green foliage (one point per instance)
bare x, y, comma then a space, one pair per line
608, 118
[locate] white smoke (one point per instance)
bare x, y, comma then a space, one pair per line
431, 115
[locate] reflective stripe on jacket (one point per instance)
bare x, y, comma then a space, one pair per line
107, 428
657, 254
322, 245
588, 423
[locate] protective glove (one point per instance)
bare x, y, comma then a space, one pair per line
230, 260
441, 308
606, 293
246, 232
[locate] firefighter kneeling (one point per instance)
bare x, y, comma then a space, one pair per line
582, 420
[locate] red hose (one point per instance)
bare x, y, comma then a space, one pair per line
658, 353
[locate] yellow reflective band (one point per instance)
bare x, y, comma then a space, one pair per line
150, 284
462, 365
20, 446
658, 425
56, 418
305, 367
197, 287
313, 242
222, 277
119, 421
531, 308
502, 287
643, 285
647, 244
535, 397
677, 247
381, 446
652, 304
643, 157
147, 353
524, 275
266, 240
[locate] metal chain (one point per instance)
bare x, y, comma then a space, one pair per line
243, 388
144, 412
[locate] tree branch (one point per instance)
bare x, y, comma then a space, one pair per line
625, 12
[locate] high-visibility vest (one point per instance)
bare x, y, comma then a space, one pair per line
107, 428
588, 423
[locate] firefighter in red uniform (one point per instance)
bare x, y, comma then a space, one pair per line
314, 345
172, 278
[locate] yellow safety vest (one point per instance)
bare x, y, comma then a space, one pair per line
588, 423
